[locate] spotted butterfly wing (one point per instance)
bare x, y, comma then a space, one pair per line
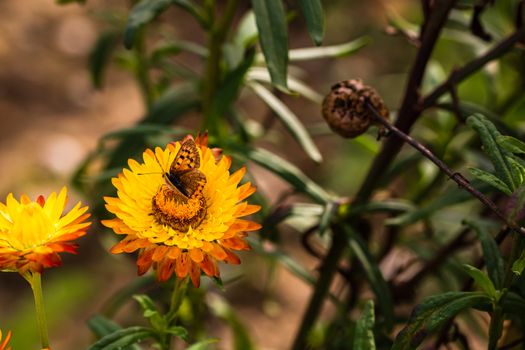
187, 158
184, 175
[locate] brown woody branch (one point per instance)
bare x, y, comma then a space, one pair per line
455, 176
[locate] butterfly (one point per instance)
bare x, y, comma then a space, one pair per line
184, 176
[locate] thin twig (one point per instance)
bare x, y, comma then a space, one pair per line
458, 75
455, 176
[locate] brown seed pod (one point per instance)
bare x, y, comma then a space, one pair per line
345, 111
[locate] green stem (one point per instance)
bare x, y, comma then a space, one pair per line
141, 71
35, 282
326, 273
217, 37
179, 290
496, 321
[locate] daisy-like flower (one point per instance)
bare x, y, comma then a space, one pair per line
182, 209
4, 343
32, 233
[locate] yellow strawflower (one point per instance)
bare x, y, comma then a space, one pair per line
32, 233
182, 209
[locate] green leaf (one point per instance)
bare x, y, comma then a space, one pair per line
273, 35
451, 196
314, 16
229, 88
180, 332
329, 211
432, 313
481, 279
490, 179
289, 119
143, 130
511, 144
150, 311
102, 326
334, 51
519, 265
295, 85
388, 206
489, 134
174, 47
518, 165
373, 274
100, 56
286, 170
143, 12
122, 338
513, 303
491, 253
364, 331
202, 345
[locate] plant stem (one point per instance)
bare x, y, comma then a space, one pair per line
179, 290
217, 36
410, 109
326, 273
496, 321
141, 71
456, 177
35, 282
458, 75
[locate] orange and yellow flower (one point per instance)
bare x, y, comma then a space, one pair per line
32, 233
4, 343
175, 234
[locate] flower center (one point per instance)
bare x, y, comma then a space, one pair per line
171, 208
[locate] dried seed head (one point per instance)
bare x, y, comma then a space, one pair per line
345, 111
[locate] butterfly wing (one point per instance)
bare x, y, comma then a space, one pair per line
186, 159
193, 181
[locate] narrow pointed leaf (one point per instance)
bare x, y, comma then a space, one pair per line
490, 179
150, 311
481, 279
290, 120
519, 265
511, 144
489, 135
364, 332
429, 315
450, 197
314, 16
122, 338
287, 171
178, 331
491, 253
100, 56
273, 36
142, 13
202, 345
341, 50
373, 274
229, 88
102, 326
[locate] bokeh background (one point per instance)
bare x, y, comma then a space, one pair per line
51, 119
